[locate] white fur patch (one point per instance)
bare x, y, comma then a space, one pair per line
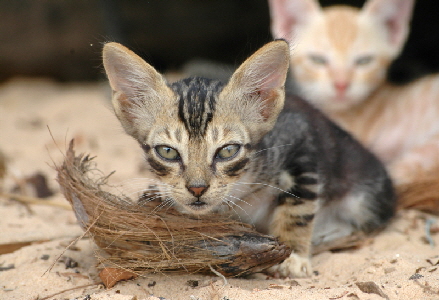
341, 218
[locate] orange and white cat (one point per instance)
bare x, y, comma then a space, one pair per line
339, 60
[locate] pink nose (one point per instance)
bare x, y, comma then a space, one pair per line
197, 191
341, 86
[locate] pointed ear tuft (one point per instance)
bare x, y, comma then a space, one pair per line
288, 15
127, 72
137, 87
394, 15
256, 89
265, 70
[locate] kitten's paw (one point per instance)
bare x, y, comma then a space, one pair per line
294, 266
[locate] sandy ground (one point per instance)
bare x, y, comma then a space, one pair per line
38, 118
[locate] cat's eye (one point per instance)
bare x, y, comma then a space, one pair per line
364, 60
318, 59
227, 151
167, 153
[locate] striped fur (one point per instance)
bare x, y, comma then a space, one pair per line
196, 103
243, 149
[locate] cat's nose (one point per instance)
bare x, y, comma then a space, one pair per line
341, 86
197, 191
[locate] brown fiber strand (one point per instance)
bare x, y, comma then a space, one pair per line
422, 194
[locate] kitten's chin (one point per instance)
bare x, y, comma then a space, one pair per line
201, 208
339, 104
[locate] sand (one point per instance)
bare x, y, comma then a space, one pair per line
39, 117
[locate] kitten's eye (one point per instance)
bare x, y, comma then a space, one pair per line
167, 153
364, 60
318, 59
228, 151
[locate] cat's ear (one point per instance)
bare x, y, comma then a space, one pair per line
137, 86
287, 16
393, 15
256, 90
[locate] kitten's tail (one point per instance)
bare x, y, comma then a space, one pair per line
423, 194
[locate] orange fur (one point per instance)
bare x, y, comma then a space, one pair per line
347, 81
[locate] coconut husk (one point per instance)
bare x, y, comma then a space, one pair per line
144, 239
421, 194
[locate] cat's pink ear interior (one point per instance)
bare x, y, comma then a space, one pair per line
136, 88
127, 72
288, 15
394, 15
258, 84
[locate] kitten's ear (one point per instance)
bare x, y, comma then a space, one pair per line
287, 16
136, 86
393, 15
256, 89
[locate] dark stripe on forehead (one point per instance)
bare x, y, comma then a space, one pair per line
196, 103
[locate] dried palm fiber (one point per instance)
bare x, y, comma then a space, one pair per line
142, 239
422, 194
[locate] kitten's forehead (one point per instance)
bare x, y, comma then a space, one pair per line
342, 26
197, 99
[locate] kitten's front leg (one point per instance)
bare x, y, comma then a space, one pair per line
293, 223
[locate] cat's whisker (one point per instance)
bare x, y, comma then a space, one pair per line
141, 195
249, 219
137, 186
153, 191
166, 202
237, 205
145, 191
233, 187
269, 148
239, 199
142, 182
133, 185
269, 185
154, 197
146, 200
146, 179
230, 204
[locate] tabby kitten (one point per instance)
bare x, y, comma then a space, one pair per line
339, 62
287, 170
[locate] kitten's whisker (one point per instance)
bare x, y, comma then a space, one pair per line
146, 192
140, 195
153, 192
165, 202
231, 202
146, 200
142, 182
239, 200
146, 179
142, 185
265, 149
269, 185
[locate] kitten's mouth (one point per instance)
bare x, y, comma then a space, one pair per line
341, 98
198, 205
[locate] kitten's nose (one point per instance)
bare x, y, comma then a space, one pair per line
197, 191
341, 86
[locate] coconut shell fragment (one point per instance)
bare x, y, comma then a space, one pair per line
142, 239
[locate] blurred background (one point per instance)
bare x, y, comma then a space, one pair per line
63, 39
